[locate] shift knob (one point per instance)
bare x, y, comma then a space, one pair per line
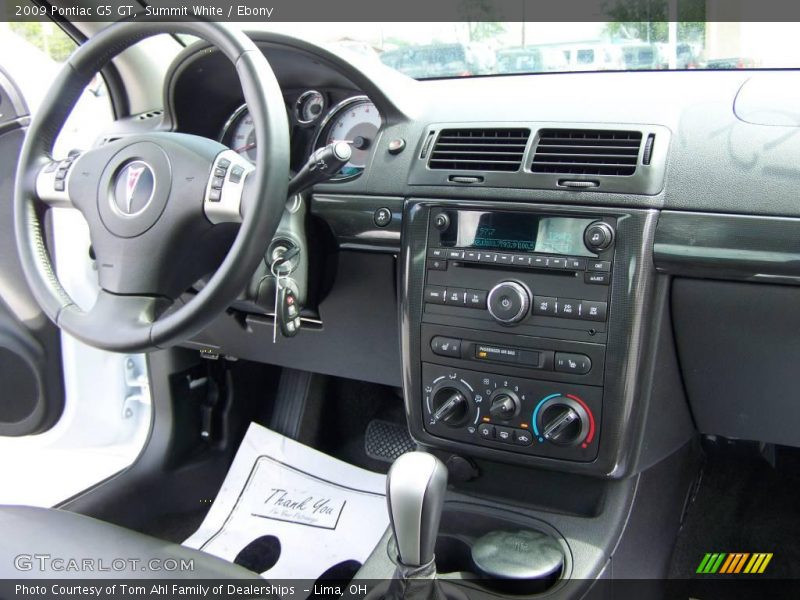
415, 488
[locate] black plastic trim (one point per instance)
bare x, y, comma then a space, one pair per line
726, 246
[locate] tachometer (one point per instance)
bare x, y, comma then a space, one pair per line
239, 134
357, 122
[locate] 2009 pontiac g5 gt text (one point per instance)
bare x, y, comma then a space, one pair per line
301, 303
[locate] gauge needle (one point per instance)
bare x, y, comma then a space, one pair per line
245, 147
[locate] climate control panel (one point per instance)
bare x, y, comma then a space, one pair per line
538, 418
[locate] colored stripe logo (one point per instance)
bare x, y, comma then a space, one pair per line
734, 563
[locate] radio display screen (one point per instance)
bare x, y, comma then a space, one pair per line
516, 232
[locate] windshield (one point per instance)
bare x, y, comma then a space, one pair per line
437, 50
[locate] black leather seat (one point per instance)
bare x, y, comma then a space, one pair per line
27, 534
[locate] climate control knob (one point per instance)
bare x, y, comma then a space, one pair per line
508, 302
504, 406
451, 406
564, 423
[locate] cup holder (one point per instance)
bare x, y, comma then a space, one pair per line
504, 552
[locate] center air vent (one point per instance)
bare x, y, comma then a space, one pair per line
586, 152
479, 149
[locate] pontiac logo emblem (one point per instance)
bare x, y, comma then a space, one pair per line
134, 189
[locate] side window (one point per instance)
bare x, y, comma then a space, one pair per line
585, 57
32, 54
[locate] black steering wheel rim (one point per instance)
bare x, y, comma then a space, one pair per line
125, 322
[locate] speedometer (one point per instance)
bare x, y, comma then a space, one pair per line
239, 134
357, 122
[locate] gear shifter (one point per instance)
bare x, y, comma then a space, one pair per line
415, 489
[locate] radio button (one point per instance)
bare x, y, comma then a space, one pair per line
544, 305
476, 298
567, 308
472, 255
488, 257
539, 262
446, 346
557, 263
455, 296
505, 259
455, 254
577, 364
593, 311
576, 264
436, 252
597, 278
437, 264
600, 265
435, 294
522, 260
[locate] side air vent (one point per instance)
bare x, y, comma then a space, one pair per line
479, 149
586, 152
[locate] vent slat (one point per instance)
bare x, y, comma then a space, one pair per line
489, 149
587, 152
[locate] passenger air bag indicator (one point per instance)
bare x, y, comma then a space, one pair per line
504, 354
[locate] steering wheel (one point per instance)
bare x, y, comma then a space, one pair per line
163, 208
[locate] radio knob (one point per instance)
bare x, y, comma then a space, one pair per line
505, 405
508, 302
598, 236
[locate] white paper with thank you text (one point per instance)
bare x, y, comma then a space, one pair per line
322, 510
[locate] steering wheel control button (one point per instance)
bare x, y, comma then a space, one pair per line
382, 217
223, 200
593, 311
577, 364
508, 302
597, 278
602, 266
435, 294
237, 173
598, 236
544, 305
444, 346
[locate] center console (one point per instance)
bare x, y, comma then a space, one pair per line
515, 318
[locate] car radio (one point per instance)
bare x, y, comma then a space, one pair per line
514, 325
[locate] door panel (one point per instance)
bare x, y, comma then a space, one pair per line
32, 392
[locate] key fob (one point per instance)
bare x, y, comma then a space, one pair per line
288, 312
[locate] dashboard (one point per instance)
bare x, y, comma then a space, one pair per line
318, 118
422, 244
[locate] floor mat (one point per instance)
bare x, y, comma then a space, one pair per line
288, 511
743, 505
